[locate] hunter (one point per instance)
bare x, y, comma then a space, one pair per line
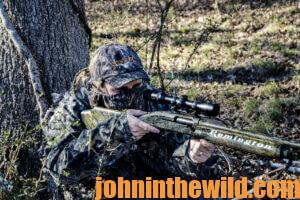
120, 146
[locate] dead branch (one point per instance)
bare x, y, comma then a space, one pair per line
34, 74
157, 43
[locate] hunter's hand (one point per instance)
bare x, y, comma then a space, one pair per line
200, 150
138, 127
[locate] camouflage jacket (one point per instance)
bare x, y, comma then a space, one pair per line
78, 155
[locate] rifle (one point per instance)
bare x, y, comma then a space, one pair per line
199, 120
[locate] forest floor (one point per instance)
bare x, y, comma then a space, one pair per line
249, 63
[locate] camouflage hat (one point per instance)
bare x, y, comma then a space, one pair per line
117, 65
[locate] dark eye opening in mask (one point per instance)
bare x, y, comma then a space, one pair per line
136, 86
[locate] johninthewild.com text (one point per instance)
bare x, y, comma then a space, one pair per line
226, 187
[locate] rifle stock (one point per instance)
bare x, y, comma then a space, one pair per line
204, 128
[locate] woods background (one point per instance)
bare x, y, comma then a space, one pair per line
242, 54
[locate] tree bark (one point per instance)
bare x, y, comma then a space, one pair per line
56, 35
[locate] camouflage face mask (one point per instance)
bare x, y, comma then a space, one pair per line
125, 99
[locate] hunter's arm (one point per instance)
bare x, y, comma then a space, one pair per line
181, 160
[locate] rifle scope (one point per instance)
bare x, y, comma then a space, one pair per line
183, 103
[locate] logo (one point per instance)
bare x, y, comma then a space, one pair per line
240, 140
121, 61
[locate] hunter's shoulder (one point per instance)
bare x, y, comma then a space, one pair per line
68, 106
64, 116
78, 97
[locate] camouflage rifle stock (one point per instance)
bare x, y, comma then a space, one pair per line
211, 129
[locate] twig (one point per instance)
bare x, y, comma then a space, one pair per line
202, 38
152, 56
147, 22
160, 6
158, 67
226, 158
33, 69
278, 169
157, 43
41, 174
16, 153
137, 49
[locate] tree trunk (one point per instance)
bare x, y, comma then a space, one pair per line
56, 34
